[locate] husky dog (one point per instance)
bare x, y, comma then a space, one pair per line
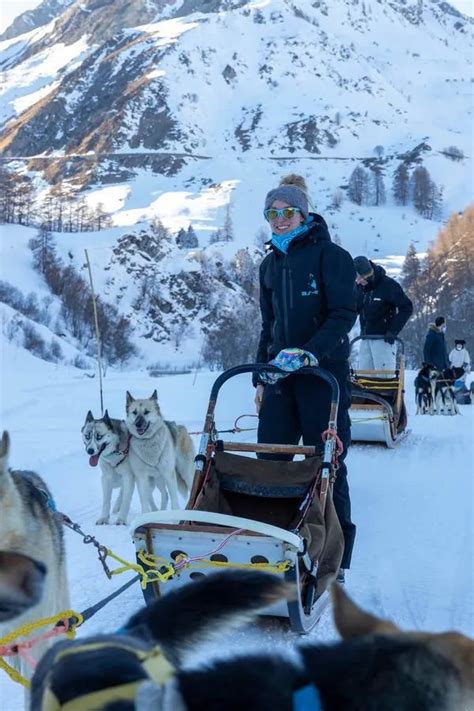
33, 582
161, 453
376, 667
444, 394
106, 443
425, 389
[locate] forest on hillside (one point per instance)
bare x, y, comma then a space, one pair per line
442, 284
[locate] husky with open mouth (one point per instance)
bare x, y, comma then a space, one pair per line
161, 453
106, 442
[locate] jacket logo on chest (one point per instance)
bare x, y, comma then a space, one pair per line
312, 287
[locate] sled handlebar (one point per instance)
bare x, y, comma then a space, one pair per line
398, 340
266, 368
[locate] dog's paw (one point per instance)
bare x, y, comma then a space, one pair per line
120, 522
102, 521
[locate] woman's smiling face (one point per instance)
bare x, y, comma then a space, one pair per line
281, 225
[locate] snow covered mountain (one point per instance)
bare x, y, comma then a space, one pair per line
37, 17
182, 109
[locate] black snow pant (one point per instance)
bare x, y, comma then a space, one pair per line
298, 406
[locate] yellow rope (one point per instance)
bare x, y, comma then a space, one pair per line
26, 629
368, 419
280, 567
147, 576
14, 674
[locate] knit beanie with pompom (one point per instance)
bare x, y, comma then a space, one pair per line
292, 190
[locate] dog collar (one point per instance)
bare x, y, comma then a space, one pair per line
307, 699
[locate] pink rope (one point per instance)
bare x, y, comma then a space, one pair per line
21, 648
188, 560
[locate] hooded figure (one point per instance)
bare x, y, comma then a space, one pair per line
307, 304
459, 359
384, 309
434, 351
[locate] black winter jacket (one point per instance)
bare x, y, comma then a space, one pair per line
382, 305
307, 297
434, 351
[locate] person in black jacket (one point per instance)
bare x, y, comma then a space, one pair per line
384, 309
307, 303
434, 351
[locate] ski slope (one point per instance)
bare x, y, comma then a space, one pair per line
412, 505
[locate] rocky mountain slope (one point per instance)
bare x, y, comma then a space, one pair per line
189, 111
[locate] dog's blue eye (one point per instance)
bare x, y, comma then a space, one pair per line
98, 437
88, 435
146, 412
134, 412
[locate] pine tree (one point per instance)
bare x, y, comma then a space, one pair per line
422, 190
181, 238
400, 185
187, 239
357, 190
191, 237
228, 229
378, 186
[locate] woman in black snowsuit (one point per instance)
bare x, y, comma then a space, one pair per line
307, 302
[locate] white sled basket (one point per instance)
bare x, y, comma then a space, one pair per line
218, 538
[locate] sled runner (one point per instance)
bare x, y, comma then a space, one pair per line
378, 412
244, 512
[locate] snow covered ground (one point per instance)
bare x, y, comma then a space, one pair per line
413, 505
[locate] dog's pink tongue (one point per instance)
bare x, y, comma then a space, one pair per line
93, 461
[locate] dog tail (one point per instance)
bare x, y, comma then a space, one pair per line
196, 611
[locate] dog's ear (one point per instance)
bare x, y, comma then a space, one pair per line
351, 621
129, 398
89, 417
154, 396
107, 419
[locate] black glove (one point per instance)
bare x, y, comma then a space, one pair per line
389, 338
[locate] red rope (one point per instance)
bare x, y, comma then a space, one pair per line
339, 445
21, 648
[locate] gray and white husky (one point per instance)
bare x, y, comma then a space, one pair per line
161, 453
33, 582
106, 443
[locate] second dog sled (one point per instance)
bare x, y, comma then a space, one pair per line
277, 516
378, 412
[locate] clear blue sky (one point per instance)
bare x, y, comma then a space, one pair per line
10, 8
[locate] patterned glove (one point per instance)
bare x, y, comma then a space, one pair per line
289, 359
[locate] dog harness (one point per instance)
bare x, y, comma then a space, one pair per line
307, 699
119, 456
98, 673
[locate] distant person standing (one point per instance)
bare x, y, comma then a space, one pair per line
459, 359
434, 351
384, 309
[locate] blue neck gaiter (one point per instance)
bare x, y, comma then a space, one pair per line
283, 241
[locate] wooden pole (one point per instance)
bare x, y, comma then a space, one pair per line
97, 333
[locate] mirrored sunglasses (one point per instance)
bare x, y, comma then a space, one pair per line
288, 212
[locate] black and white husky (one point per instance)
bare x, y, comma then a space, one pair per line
106, 441
425, 390
376, 666
161, 453
33, 582
444, 394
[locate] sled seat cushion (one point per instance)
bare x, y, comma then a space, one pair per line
239, 486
